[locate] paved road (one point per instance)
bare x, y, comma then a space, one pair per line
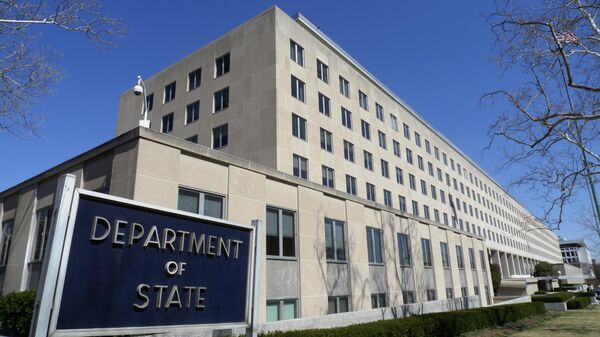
572, 323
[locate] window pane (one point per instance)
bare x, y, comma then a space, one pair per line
272, 232
343, 304
288, 234
329, 240
331, 306
340, 250
213, 206
377, 244
370, 245
188, 201
272, 312
289, 309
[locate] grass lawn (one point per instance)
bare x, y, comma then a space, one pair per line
584, 322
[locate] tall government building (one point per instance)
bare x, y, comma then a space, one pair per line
365, 204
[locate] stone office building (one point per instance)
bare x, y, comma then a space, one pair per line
365, 204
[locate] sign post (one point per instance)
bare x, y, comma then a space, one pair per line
119, 267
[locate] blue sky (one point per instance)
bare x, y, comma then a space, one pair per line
436, 55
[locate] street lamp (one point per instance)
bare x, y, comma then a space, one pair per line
140, 90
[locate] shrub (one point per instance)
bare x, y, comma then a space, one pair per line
585, 294
578, 303
444, 324
552, 298
543, 269
496, 277
540, 292
16, 310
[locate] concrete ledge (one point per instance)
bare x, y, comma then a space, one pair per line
560, 306
523, 299
343, 319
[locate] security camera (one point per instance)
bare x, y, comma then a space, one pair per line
138, 90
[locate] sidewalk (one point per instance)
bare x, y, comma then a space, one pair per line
571, 323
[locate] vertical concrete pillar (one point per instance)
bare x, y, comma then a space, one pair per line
517, 264
504, 265
511, 264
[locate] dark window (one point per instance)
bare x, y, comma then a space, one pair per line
298, 89
328, 176
298, 127
350, 185
365, 129
326, 140
281, 231
201, 203
222, 65
426, 248
322, 71
335, 241
150, 102
7, 234
221, 99
347, 118
431, 295
220, 136
409, 297
459, 257
404, 249
348, 151
402, 203
374, 245
378, 301
296, 53
194, 79
344, 87
167, 123
371, 192
338, 304
445, 255
192, 112
324, 104
170, 90
300, 167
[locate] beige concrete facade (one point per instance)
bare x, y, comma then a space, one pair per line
254, 171
260, 91
151, 167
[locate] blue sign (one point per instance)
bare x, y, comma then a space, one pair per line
133, 266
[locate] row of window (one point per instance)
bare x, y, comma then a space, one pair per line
222, 64
299, 91
192, 110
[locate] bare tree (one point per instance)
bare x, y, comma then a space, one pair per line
27, 70
550, 125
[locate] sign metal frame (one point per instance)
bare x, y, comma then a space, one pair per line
55, 265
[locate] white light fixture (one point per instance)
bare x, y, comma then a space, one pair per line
140, 90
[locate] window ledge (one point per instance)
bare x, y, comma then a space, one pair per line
337, 262
282, 258
376, 264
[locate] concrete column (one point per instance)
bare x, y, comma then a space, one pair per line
522, 265
511, 265
504, 265
518, 269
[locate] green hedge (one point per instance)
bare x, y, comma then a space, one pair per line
16, 310
540, 292
578, 303
585, 294
553, 298
444, 324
